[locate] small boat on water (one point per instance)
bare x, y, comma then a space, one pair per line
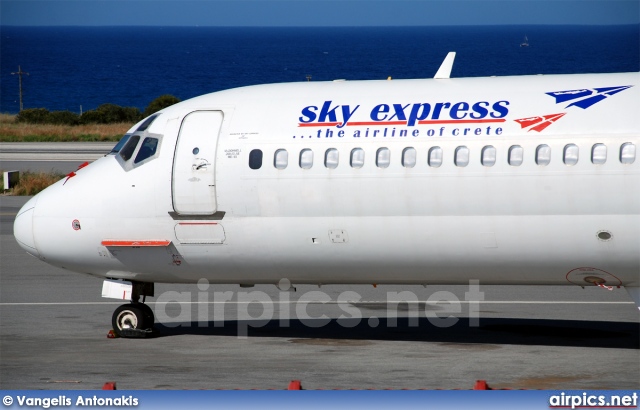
525, 43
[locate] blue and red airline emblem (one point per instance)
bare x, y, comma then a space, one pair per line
583, 98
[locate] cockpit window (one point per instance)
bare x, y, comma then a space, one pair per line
147, 149
120, 144
127, 151
147, 123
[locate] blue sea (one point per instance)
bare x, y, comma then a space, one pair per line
70, 67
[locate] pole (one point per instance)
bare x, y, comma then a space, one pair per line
20, 72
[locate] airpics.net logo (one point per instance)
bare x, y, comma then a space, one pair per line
256, 308
593, 401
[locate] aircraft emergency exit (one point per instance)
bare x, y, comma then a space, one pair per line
522, 180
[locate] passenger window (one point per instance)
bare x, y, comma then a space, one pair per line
627, 153
543, 155
331, 158
599, 154
516, 155
409, 157
383, 157
120, 144
488, 157
570, 154
281, 159
130, 146
147, 149
306, 158
461, 158
357, 158
435, 157
255, 159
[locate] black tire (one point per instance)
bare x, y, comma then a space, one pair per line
129, 316
148, 312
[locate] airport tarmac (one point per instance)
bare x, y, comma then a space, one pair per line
54, 325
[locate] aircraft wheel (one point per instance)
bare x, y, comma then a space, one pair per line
148, 313
129, 316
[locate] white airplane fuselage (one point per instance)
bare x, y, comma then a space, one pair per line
528, 180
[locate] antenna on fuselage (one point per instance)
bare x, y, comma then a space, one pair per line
444, 71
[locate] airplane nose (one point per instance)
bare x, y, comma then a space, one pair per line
23, 227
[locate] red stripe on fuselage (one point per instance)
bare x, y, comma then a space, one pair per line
421, 122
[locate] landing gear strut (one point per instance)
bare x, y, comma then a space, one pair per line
134, 319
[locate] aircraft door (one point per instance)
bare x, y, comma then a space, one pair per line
193, 187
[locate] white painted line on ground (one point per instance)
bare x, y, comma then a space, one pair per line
486, 302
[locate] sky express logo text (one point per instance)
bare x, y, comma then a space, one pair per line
408, 115
329, 115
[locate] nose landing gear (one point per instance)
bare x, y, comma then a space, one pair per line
134, 319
